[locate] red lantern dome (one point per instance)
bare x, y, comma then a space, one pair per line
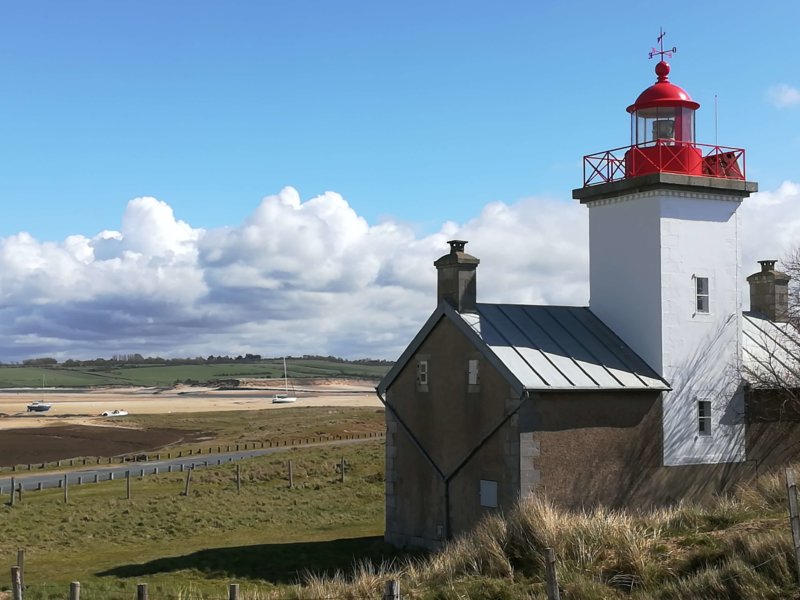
663, 93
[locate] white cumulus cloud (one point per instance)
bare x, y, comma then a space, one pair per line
299, 276
770, 225
783, 95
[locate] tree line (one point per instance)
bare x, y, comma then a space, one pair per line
138, 359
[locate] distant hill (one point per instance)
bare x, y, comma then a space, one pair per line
102, 372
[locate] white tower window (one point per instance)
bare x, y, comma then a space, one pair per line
704, 418
701, 295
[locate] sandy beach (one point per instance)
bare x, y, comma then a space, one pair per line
83, 407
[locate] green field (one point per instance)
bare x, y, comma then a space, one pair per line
167, 375
265, 537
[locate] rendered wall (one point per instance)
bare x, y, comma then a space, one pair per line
624, 265
646, 250
701, 352
449, 421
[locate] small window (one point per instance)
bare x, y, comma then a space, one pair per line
488, 493
472, 378
422, 372
701, 295
704, 418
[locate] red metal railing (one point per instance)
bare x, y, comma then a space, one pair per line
663, 156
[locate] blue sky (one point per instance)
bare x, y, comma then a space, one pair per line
417, 111
188, 178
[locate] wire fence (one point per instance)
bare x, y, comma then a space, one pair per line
196, 451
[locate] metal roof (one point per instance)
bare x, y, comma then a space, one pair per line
560, 348
541, 348
770, 352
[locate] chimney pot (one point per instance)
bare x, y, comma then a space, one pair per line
457, 246
767, 265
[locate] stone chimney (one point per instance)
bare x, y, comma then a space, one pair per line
769, 292
456, 283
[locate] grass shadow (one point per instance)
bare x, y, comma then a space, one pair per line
276, 563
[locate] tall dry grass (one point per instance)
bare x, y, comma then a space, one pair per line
736, 547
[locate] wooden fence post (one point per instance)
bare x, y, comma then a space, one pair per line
141, 591
19, 491
21, 565
794, 518
341, 465
238, 479
392, 590
66, 490
13, 491
16, 584
233, 591
75, 590
291, 475
188, 481
128, 484
550, 572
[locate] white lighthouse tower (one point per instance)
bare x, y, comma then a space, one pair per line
664, 266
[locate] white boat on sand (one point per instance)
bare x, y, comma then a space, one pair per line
114, 413
40, 405
286, 397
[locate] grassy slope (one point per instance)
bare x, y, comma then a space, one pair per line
267, 537
737, 548
268, 532
131, 375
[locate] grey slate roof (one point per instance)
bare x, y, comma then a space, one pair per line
545, 348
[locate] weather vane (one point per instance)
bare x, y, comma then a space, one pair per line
668, 52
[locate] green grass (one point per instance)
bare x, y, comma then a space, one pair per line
322, 540
268, 534
167, 375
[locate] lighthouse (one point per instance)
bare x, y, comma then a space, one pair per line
664, 265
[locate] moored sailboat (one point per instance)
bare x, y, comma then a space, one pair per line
284, 398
